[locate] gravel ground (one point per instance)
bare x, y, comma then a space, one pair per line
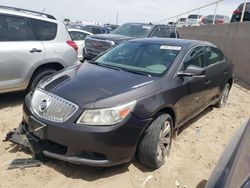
193, 156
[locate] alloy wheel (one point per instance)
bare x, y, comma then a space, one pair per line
225, 95
163, 147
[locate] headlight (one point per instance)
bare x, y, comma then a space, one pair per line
107, 116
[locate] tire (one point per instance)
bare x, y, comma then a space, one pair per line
83, 55
39, 76
223, 97
155, 146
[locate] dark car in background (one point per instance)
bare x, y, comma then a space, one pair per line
238, 13
219, 19
127, 102
96, 44
94, 29
111, 26
233, 168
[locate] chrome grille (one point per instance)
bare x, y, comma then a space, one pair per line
52, 107
96, 46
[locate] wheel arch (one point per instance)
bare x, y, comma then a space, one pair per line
53, 65
169, 111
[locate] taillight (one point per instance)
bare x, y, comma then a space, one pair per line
237, 11
72, 44
202, 20
220, 21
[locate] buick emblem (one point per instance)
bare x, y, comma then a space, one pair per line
44, 105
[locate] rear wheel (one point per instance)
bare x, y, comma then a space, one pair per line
223, 97
156, 143
39, 76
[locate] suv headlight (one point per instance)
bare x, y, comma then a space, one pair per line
106, 116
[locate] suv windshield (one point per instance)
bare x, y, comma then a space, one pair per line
134, 30
139, 57
193, 16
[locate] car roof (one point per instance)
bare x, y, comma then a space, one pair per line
23, 13
79, 30
173, 41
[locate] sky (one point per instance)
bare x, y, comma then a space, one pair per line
105, 11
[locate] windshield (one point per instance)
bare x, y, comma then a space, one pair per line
134, 30
148, 58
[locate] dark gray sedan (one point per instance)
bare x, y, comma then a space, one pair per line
126, 102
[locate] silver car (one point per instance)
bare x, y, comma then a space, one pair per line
33, 45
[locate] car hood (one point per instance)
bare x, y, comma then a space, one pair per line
90, 85
111, 37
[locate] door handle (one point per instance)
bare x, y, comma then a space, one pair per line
207, 82
35, 50
226, 73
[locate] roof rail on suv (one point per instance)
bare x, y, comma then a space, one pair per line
31, 11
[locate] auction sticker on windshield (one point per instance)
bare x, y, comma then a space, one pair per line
166, 47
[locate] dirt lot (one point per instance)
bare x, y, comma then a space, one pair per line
194, 152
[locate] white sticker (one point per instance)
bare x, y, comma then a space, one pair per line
165, 47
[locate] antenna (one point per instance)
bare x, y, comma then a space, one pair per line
43, 10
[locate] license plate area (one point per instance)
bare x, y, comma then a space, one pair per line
37, 128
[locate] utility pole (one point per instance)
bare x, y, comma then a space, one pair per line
215, 13
117, 17
243, 11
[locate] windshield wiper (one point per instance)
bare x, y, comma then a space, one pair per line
137, 72
106, 66
121, 69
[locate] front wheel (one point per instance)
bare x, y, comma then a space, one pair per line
223, 97
156, 143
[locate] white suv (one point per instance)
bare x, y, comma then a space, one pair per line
195, 20
33, 45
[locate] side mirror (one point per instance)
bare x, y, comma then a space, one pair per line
192, 71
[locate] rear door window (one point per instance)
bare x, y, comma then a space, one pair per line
167, 32
214, 56
158, 32
14, 28
196, 58
44, 30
